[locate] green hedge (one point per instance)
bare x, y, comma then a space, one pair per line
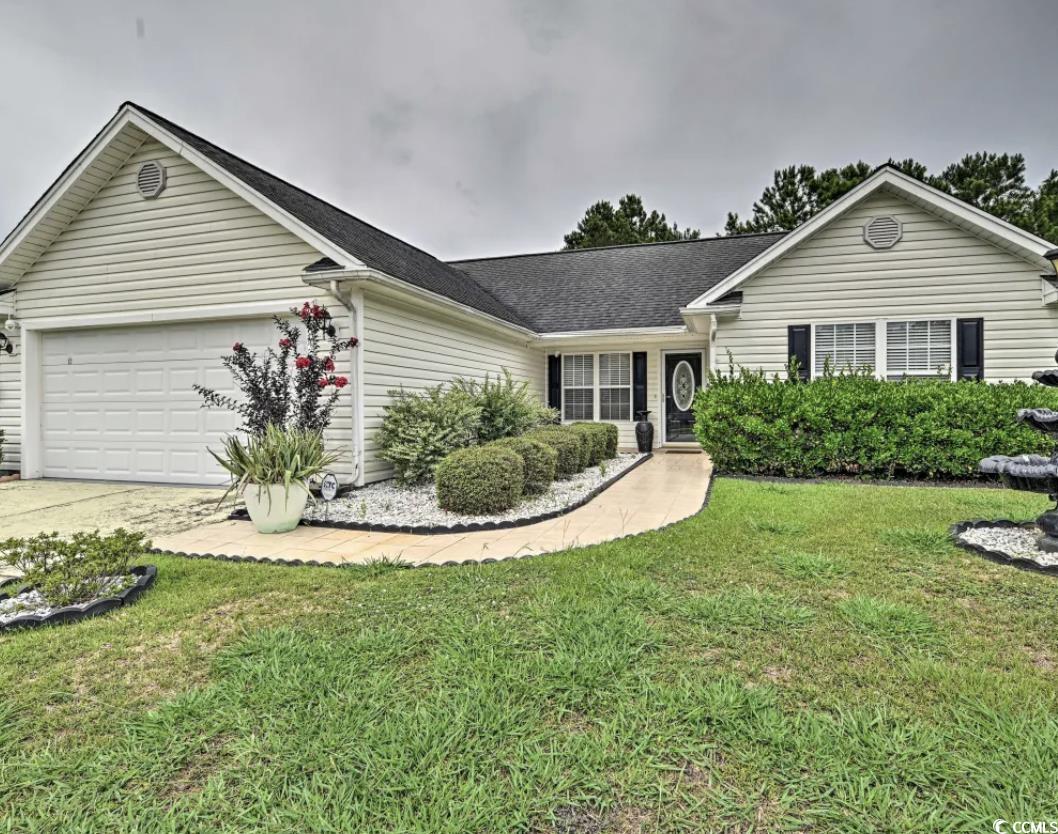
854, 424
480, 480
540, 461
569, 446
603, 439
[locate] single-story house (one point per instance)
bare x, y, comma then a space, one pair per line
155, 250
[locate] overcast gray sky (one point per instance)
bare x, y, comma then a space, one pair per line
476, 128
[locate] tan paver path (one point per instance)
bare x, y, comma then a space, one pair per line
668, 487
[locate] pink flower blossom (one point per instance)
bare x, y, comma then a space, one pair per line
302, 361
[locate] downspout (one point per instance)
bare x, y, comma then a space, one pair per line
355, 380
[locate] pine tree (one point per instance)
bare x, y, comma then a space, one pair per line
602, 225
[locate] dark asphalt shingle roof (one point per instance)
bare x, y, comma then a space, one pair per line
614, 286
586, 289
374, 247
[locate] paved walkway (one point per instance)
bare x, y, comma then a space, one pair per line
668, 487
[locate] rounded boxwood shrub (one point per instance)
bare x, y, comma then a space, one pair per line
587, 446
540, 461
566, 444
610, 432
600, 436
480, 480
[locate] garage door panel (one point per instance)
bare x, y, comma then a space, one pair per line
118, 403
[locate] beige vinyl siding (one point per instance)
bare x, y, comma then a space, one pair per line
194, 246
655, 384
412, 346
75, 198
10, 405
937, 270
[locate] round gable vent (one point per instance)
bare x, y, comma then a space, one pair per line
882, 232
150, 180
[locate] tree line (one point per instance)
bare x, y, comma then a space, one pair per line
990, 181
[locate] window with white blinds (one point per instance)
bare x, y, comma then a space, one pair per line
918, 348
844, 345
578, 386
615, 386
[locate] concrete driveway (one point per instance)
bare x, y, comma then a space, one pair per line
46, 506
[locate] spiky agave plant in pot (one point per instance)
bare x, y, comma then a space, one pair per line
272, 471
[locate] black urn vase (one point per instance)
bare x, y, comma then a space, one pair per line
644, 432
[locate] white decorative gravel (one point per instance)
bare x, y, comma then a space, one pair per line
388, 503
33, 602
1016, 542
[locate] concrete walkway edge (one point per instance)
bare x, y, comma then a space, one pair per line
667, 488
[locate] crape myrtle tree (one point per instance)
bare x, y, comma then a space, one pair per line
292, 387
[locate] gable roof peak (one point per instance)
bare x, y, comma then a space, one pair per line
993, 229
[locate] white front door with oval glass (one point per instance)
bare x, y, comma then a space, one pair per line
683, 378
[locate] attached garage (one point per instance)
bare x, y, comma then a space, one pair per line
117, 404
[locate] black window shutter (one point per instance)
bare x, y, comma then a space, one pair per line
799, 346
970, 348
554, 381
639, 382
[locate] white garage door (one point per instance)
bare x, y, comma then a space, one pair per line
118, 403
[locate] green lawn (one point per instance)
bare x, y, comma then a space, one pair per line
794, 658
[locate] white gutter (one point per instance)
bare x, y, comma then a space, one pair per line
718, 309
669, 330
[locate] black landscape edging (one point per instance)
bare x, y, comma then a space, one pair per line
852, 480
999, 556
437, 529
145, 576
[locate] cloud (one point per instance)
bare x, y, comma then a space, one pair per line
476, 127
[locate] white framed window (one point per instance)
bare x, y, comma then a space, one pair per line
844, 345
893, 348
615, 386
578, 386
918, 348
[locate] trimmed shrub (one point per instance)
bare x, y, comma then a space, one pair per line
854, 424
480, 481
508, 408
566, 444
540, 461
596, 441
601, 438
610, 431
420, 429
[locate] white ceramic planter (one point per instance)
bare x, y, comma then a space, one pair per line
274, 509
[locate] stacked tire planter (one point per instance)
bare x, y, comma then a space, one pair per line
145, 576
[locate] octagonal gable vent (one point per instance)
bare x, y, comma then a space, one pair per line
882, 232
150, 180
